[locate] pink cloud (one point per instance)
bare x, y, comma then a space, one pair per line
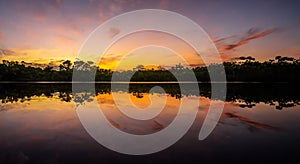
65, 41
102, 15
113, 32
59, 2
164, 4
6, 52
252, 33
115, 7
39, 18
65, 29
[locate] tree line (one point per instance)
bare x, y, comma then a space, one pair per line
279, 69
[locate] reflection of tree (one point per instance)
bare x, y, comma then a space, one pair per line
247, 105
65, 96
138, 94
249, 94
246, 95
82, 97
23, 92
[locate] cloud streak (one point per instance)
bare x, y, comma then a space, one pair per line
251, 34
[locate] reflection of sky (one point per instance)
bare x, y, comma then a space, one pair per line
32, 113
51, 30
50, 127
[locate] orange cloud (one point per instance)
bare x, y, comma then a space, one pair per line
39, 56
110, 62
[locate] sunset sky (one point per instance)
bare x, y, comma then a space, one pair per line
49, 31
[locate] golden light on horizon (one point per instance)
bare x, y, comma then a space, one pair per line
149, 48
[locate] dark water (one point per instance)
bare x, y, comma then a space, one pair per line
260, 123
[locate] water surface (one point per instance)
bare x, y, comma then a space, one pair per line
39, 124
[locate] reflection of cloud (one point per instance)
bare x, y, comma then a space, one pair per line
253, 126
157, 125
115, 124
251, 34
